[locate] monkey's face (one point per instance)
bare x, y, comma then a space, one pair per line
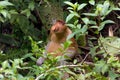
58, 28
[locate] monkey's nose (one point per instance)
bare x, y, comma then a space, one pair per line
55, 30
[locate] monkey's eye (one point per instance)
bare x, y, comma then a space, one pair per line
48, 31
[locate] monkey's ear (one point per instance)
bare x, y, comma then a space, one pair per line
54, 21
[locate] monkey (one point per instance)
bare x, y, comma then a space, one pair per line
58, 35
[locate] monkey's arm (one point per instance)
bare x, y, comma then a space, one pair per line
41, 60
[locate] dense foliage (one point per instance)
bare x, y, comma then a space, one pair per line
24, 28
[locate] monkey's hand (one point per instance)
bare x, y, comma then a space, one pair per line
40, 61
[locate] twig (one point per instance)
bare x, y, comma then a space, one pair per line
59, 67
103, 46
84, 58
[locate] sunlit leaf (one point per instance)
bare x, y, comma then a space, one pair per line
92, 2
84, 28
1, 77
94, 27
70, 25
81, 6
79, 26
116, 9
70, 36
69, 3
105, 7
76, 14
90, 14
70, 8
5, 3
69, 17
4, 13
118, 17
5, 64
85, 20
110, 44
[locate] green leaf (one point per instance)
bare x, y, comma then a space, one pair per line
81, 6
105, 68
5, 3
70, 25
92, 2
94, 27
92, 22
113, 75
5, 64
70, 8
101, 66
78, 26
110, 44
118, 17
70, 36
90, 14
1, 19
76, 14
4, 13
1, 77
105, 7
116, 9
75, 6
26, 12
103, 24
31, 5
69, 3
13, 12
67, 44
86, 20
84, 28
69, 17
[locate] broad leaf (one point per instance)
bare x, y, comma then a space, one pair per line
69, 17
113, 75
5, 64
103, 24
70, 36
105, 7
5, 3
4, 13
69, 3
101, 66
110, 44
92, 2
86, 20
81, 6
70, 25
118, 17
84, 28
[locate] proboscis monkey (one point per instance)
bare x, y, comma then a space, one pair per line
58, 35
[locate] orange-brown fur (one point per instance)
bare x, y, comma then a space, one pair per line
58, 34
